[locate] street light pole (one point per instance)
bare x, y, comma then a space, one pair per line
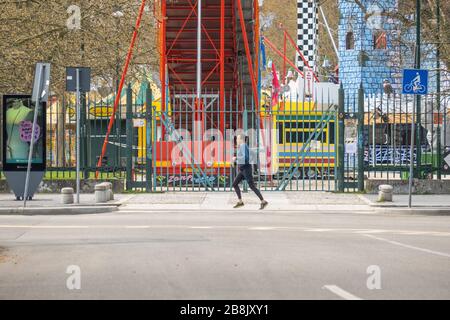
438, 87
418, 97
199, 50
118, 14
415, 113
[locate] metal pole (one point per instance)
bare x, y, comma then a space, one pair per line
341, 136
198, 133
361, 138
329, 32
413, 121
222, 67
439, 153
418, 97
149, 138
199, 50
374, 151
78, 134
129, 129
438, 88
411, 156
33, 128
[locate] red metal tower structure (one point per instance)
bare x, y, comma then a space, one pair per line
229, 62
223, 47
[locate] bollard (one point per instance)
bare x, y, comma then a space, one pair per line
101, 193
67, 195
385, 193
110, 191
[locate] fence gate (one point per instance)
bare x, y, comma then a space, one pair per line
305, 145
387, 136
190, 145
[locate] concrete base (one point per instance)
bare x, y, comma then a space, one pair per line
53, 211
16, 182
54, 186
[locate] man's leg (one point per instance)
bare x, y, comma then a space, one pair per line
236, 182
249, 177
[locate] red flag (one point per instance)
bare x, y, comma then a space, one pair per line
275, 85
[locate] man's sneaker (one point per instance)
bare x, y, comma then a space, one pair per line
239, 204
264, 204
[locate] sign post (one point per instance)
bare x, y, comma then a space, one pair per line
78, 80
40, 93
415, 82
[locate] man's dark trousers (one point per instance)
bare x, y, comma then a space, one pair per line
245, 173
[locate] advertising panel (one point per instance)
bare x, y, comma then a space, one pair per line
18, 114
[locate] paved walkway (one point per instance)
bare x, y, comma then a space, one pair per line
401, 200
223, 201
50, 204
285, 201
49, 200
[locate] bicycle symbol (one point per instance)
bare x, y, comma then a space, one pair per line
415, 85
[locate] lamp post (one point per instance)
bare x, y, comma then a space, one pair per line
438, 86
418, 97
417, 141
118, 14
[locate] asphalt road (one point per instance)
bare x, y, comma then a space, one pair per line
225, 255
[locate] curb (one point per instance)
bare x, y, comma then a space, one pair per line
58, 210
425, 211
237, 211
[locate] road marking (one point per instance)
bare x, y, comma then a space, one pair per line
318, 230
409, 246
137, 227
126, 199
370, 231
201, 227
341, 292
236, 227
413, 233
43, 227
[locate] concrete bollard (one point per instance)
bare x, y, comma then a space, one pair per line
110, 191
385, 193
101, 193
67, 195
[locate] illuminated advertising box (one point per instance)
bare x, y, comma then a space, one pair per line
18, 114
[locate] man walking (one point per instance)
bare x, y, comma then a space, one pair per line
245, 172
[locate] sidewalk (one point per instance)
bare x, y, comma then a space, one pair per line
292, 201
401, 200
421, 204
224, 201
50, 204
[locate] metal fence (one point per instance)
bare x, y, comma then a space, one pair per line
377, 130
190, 145
95, 114
310, 141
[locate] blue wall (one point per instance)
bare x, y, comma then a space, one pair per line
380, 64
376, 67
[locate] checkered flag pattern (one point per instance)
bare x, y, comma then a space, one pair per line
308, 32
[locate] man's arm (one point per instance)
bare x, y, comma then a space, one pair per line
241, 155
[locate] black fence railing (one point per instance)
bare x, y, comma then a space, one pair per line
302, 141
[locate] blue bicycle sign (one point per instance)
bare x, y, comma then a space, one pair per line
415, 81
